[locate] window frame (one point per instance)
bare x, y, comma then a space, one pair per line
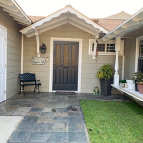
91, 41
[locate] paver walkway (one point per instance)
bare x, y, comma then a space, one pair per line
49, 117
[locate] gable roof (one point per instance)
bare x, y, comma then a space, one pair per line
121, 15
66, 15
133, 23
36, 18
108, 24
15, 11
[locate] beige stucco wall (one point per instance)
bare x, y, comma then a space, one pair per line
89, 66
130, 48
13, 53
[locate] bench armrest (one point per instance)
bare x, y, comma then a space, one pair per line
38, 82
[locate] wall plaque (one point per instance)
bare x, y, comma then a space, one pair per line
38, 61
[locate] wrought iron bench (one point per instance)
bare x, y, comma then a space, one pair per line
29, 79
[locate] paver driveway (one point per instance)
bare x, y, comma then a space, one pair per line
49, 118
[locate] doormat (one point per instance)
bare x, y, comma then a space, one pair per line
65, 93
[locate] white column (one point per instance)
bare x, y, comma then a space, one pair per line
21, 53
123, 67
38, 43
116, 75
136, 54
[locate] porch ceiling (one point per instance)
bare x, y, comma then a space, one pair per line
63, 16
132, 24
15, 11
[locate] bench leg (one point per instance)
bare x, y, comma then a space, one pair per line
35, 89
38, 90
23, 90
20, 90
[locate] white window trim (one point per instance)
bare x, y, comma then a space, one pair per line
137, 52
51, 61
101, 42
5, 60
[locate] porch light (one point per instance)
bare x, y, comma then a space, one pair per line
43, 48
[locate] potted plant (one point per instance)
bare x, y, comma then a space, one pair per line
123, 83
105, 74
137, 77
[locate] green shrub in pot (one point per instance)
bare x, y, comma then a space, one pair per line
105, 74
137, 77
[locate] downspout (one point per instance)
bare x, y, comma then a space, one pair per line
21, 53
95, 48
37, 41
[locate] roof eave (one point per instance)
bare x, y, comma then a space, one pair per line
58, 13
125, 27
15, 11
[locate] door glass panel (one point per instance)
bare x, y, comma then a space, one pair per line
58, 55
74, 63
66, 55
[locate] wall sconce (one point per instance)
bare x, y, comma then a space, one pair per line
43, 48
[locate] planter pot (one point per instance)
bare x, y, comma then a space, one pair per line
131, 84
140, 87
106, 87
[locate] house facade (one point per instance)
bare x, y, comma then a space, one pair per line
131, 31
60, 32
10, 48
74, 49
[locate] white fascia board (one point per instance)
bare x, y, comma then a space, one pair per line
19, 8
12, 7
58, 13
123, 25
7, 2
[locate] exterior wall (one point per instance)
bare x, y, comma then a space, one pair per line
13, 53
89, 66
130, 49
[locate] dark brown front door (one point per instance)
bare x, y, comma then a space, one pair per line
65, 65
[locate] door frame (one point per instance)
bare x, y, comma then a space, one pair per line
52, 39
5, 60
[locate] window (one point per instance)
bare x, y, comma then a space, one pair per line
110, 47
140, 59
101, 47
141, 48
91, 47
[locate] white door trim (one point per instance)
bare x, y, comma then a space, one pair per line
138, 39
136, 54
5, 61
52, 39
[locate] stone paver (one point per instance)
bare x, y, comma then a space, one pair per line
49, 117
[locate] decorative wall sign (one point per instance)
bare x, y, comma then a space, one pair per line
38, 61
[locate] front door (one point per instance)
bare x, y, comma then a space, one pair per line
3, 45
65, 65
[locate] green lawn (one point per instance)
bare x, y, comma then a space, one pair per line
113, 122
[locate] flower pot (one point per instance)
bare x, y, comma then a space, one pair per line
140, 87
131, 84
106, 86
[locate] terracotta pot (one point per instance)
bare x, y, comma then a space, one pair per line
140, 87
